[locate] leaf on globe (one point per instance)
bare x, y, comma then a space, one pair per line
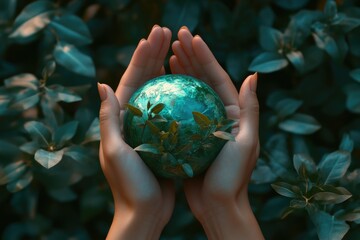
153, 128
226, 124
224, 135
146, 147
187, 169
134, 110
158, 118
202, 120
164, 135
196, 137
168, 157
157, 108
174, 125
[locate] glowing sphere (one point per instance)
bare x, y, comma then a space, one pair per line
170, 121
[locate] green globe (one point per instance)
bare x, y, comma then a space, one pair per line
177, 124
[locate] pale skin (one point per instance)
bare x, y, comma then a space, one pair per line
219, 197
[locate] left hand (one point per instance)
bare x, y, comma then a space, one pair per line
143, 203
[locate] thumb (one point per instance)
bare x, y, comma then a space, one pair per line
249, 109
109, 117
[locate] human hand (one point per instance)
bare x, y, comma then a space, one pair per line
143, 204
219, 198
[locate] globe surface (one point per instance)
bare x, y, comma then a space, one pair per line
170, 122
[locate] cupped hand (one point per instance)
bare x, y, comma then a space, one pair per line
221, 193
143, 203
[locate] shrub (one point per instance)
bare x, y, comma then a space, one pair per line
307, 54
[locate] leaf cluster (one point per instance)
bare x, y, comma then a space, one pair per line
165, 141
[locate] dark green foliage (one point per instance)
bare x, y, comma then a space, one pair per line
307, 179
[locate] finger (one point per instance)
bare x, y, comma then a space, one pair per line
175, 66
249, 110
183, 58
156, 41
163, 53
109, 118
216, 76
134, 75
185, 38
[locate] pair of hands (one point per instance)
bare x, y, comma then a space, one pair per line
218, 199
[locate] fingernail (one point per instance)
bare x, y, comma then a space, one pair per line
253, 82
102, 91
155, 26
142, 40
184, 27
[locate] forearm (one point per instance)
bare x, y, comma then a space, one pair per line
231, 222
135, 226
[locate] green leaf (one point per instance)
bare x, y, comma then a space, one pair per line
270, 39
30, 147
202, 120
59, 93
25, 99
12, 172
328, 227
220, 17
291, 4
25, 80
146, 147
76, 152
49, 69
285, 189
71, 29
224, 135
302, 160
334, 165
287, 106
64, 194
48, 159
268, 62
178, 13
33, 18
297, 59
347, 144
169, 158
355, 74
300, 124
72, 59
330, 10
262, 173
64, 133
134, 110
39, 132
157, 108
330, 197
20, 183
187, 169
93, 132
153, 128
349, 216
353, 100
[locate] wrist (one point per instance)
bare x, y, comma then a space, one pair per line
232, 220
136, 225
